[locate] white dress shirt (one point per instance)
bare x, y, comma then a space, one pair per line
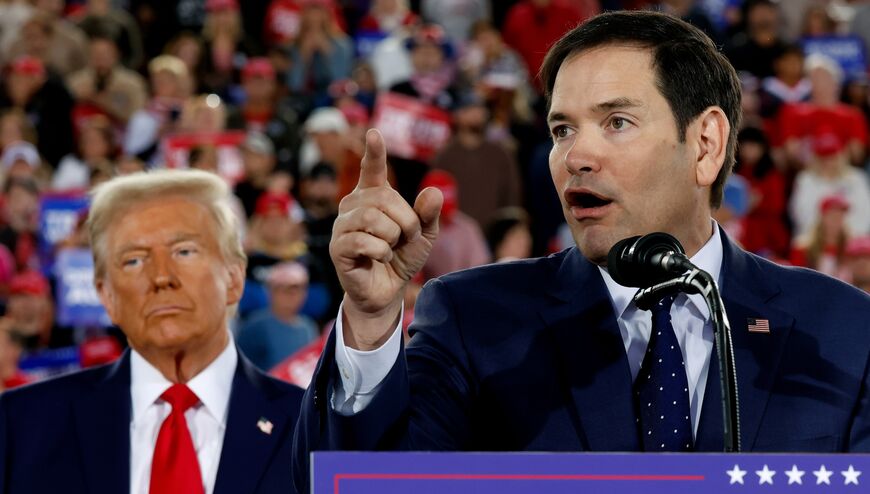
206, 420
363, 372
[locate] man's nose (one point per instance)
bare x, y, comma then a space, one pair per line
162, 271
585, 152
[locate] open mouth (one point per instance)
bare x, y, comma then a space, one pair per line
586, 200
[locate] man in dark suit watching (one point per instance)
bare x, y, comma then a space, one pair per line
182, 410
549, 354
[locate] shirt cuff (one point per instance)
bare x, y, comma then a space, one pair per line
362, 371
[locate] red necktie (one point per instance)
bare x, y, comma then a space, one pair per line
175, 468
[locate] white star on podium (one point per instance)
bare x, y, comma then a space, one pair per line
823, 476
794, 475
736, 475
851, 475
765, 475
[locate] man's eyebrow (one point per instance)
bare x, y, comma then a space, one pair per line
556, 117
181, 237
620, 103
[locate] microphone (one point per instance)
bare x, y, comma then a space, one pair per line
644, 261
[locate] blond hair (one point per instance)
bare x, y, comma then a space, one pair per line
112, 199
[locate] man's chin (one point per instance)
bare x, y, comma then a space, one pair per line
595, 245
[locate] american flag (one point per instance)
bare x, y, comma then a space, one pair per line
758, 325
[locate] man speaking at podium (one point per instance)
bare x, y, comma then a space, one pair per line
551, 354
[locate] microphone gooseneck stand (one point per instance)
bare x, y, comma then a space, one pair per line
698, 281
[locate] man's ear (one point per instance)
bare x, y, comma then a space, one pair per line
107, 297
712, 134
236, 282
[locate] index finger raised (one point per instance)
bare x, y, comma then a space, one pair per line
373, 167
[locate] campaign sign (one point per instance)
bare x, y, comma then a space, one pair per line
413, 129
299, 368
176, 149
366, 42
49, 363
848, 51
58, 216
570, 473
77, 302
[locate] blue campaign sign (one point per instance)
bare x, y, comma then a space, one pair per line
848, 51
49, 363
58, 216
366, 41
612, 473
77, 302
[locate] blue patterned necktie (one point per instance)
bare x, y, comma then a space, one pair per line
662, 389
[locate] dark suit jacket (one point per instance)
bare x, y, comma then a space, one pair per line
528, 356
72, 434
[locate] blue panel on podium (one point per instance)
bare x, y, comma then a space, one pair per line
613, 473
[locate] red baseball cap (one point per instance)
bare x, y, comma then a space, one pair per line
258, 67
444, 182
27, 65
215, 5
273, 202
832, 202
28, 283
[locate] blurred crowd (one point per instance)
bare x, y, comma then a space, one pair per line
276, 97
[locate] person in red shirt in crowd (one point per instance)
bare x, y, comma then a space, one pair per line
388, 17
764, 229
800, 121
532, 26
824, 247
263, 112
460, 243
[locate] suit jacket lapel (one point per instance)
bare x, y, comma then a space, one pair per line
102, 421
591, 357
248, 446
747, 293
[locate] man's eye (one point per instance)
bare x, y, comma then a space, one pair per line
132, 262
187, 251
618, 123
561, 131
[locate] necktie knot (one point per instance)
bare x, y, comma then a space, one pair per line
180, 397
664, 305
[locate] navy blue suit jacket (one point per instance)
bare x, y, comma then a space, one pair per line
528, 356
72, 434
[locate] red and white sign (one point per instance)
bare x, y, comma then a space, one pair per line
412, 129
299, 368
176, 149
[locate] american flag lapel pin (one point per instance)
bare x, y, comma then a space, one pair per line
756, 325
265, 425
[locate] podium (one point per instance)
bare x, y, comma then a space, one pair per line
604, 473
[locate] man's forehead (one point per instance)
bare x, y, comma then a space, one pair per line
603, 78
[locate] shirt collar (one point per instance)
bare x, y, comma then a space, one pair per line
708, 258
212, 385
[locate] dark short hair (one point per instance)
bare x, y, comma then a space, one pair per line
691, 73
